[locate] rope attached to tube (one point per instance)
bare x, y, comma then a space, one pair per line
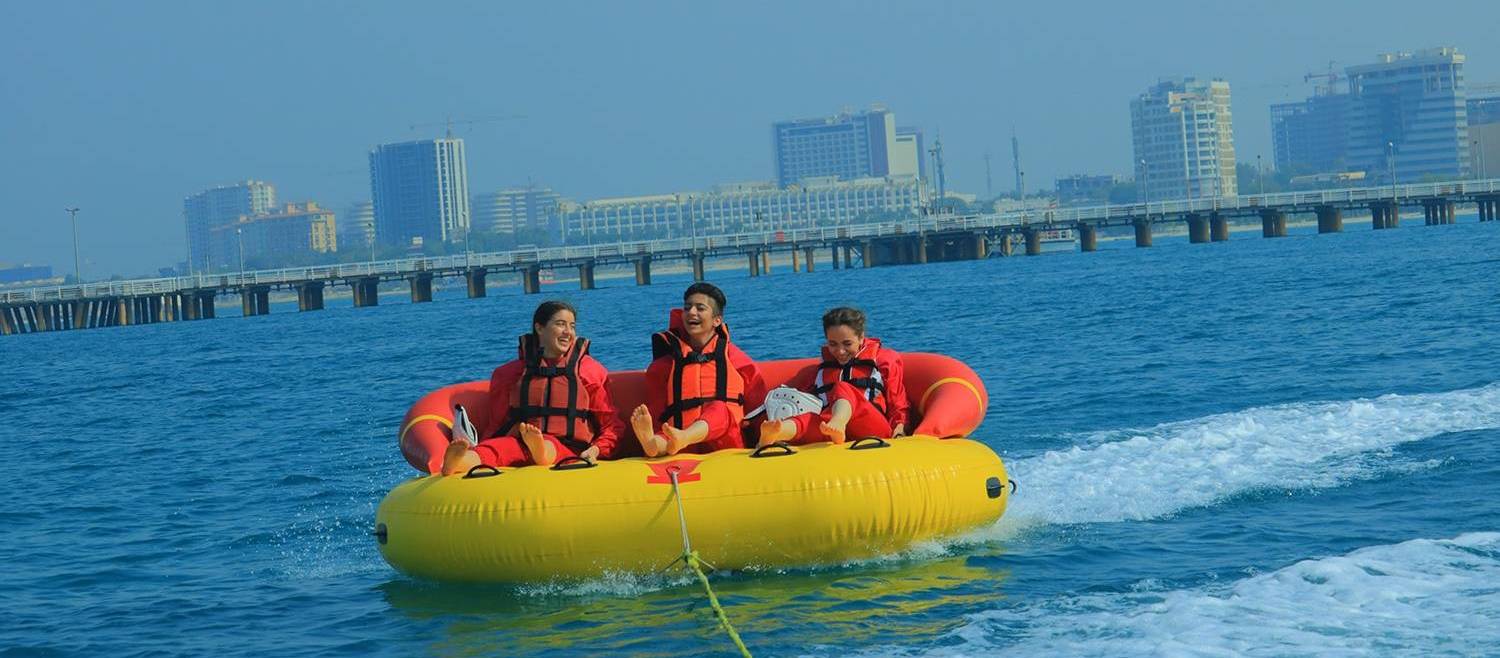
695, 564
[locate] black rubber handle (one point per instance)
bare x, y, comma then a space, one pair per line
783, 446
572, 464
473, 472
859, 444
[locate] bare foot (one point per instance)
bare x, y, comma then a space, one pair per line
542, 451
772, 431
838, 420
677, 439
834, 433
458, 458
640, 422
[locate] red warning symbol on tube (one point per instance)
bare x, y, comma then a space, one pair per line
661, 473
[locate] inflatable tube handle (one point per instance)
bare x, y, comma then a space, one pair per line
572, 464
779, 445
473, 474
860, 444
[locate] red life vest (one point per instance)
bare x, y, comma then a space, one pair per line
551, 397
698, 377
860, 371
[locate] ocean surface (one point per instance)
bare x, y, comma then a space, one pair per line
1259, 447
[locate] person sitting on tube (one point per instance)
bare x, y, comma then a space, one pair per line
698, 384
860, 382
548, 404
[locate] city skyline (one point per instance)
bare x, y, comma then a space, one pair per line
89, 131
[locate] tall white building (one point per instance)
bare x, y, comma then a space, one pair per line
1184, 140
219, 206
420, 190
356, 228
518, 209
847, 146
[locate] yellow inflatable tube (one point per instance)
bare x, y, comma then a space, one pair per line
817, 504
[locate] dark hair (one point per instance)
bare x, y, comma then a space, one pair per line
711, 291
547, 309
846, 316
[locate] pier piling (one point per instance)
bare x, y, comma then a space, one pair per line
1330, 219
643, 271
421, 288
1197, 229
474, 281
1142, 232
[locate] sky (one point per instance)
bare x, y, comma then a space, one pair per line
124, 109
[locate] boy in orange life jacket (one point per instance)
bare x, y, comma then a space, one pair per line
549, 403
861, 384
698, 384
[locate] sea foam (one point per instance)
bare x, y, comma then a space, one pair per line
1147, 474
1425, 596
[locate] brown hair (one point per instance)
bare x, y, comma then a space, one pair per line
852, 318
547, 309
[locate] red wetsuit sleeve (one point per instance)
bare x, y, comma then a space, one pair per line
606, 420
755, 384
897, 405
502, 384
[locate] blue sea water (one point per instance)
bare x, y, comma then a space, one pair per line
1259, 447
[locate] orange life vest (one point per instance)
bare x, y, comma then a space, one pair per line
551, 397
698, 377
861, 371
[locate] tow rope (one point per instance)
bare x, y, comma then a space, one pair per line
695, 564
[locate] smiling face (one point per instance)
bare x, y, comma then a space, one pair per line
557, 335
843, 342
699, 318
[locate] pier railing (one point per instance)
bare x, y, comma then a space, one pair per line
622, 252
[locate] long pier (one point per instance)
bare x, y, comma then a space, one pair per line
917, 240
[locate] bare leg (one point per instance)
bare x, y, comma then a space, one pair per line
677, 439
651, 443
542, 451
458, 458
837, 421
772, 431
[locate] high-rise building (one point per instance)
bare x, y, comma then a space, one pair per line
295, 231
746, 207
1311, 135
420, 190
908, 156
357, 226
217, 206
1407, 115
847, 146
518, 209
1184, 140
1484, 136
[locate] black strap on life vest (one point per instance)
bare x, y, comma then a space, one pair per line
525, 410
666, 343
846, 372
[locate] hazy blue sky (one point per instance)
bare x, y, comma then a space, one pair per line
123, 109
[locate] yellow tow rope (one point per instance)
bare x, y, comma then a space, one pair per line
695, 564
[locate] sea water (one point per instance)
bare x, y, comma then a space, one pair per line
1259, 447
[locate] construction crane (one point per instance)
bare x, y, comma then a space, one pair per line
450, 121
1332, 77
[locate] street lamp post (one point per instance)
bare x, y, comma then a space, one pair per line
1479, 170
1390, 159
1260, 176
239, 237
77, 272
1146, 187
467, 227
